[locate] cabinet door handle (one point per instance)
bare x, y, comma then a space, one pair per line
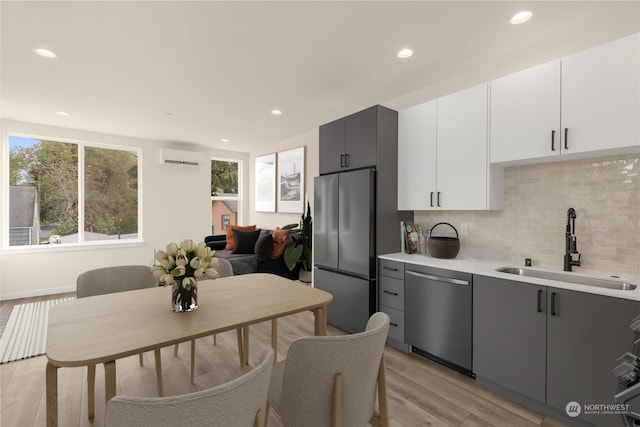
395, 294
566, 143
553, 140
341, 160
393, 324
438, 199
539, 307
553, 303
346, 160
389, 268
431, 199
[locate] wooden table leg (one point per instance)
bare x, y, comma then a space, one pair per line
91, 391
245, 347
240, 349
52, 395
320, 315
156, 353
274, 339
193, 361
109, 380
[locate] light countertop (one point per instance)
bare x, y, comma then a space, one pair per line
488, 268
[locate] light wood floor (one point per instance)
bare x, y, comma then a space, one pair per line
421, 392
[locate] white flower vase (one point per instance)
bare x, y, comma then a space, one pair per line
183, 299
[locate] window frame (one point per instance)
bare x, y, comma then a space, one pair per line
240, 197
81, 243
223, 224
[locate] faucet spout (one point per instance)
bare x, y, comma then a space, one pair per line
571, 254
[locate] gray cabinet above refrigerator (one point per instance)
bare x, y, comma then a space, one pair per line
350, 142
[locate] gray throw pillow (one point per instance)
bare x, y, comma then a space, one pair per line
264, 247
245, 241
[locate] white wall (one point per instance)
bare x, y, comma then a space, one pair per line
176, 205
310, 140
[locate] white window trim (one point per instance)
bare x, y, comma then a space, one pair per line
81, 243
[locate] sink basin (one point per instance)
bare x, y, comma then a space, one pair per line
570, 278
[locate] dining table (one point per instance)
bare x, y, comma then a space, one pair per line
103, 328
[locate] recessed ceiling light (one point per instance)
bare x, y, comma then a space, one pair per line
276, 112
45, 52
405, 53
224, 140
521, 17
62, 113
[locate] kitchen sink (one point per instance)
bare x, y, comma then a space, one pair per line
570, 278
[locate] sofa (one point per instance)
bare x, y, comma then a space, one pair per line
245, 259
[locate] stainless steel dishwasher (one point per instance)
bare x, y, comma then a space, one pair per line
438, 316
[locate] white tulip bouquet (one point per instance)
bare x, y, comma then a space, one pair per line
185, 261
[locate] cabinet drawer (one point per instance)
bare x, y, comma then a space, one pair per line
392, 292
391, 268
396, 326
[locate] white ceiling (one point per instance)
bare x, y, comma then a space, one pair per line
198, 72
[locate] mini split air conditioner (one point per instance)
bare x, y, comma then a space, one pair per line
179, 157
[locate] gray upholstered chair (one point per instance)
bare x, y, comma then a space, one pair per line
109, 280
332, 381
239, 403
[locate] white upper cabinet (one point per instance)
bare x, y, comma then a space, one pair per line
525, 114
417, 156
443, 154
601, 97
462, 181
585, 104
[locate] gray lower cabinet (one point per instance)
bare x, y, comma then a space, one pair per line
391, 299
509, 334
586, 333
552, 345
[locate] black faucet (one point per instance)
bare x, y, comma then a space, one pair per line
571, 242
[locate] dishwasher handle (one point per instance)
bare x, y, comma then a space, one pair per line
439, 278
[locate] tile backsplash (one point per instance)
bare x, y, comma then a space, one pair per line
605, 192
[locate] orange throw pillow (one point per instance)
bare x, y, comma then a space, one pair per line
230, 239
280, 241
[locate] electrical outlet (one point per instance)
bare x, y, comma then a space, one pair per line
464, 229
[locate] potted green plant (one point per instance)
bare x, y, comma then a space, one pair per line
300, 252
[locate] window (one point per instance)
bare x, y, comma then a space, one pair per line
225, 221
69, 192
225, 196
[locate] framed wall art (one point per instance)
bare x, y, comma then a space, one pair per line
265, 191
291, 181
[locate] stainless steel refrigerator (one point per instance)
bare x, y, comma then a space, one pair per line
344, 245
